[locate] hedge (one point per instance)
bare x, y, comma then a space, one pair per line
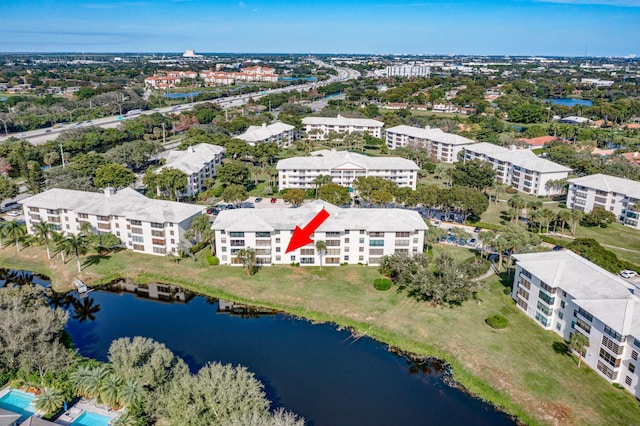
382, 284
497, 321
212, 260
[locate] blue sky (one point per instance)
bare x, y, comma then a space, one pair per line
499, 27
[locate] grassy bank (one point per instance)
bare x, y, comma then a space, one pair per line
523, 368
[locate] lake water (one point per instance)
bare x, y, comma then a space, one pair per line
180, 95
569, 102
315, 370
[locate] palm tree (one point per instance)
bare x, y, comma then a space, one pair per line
80, 379
517, 203
15, 231
76, 244
49, 400
321, 248
547, 216
86, 228
321, 180
485, 238
42, 231
110, 390
247, 256
578, 343
93, 381
131, 393
575, 216
58, 239
564, 216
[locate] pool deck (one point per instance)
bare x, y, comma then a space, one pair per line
72, 414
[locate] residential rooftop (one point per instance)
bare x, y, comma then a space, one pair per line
123, 203
432, 134
269, 220
331, 159
519, 157
193, 159
342, 121
607, 183
260, 133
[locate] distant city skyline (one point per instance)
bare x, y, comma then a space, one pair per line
466, 27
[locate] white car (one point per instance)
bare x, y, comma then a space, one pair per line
14, 213
628, 274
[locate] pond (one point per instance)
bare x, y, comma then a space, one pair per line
180, 95
569, 102
318, 371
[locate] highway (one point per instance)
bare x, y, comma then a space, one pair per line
41, 136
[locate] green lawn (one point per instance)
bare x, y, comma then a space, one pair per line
522, 368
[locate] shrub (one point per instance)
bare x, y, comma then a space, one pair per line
382, 284
485, 225
197, 247
212, 260
497, 321
476, 266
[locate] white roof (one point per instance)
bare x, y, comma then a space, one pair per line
574, 274
264, 132
126, 203
193, 159
518, 157
628, 187
331, 159
269, 220
436, 135
342, 121
606, 296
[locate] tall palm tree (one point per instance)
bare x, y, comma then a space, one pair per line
564, 216
77, 245
247, 256
321, 247
49, 400
93, 381
131, 393
486, 237
15, 231
110, 390
58, 239
321, 180
42, 231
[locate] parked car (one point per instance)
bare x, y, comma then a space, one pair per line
14, 213
462, 242
477, 229
452, 239
436, 223
627, 273
257, 200
557, 248
472, 242
274, 200
11, 206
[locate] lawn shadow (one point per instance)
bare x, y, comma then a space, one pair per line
561, 348
95, 259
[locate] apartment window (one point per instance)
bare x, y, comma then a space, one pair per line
307, 260
137, 239
49, 211
628, 381
135, 222
332, 234
606, 370
262, 234
542, 319
611, 345
525, 283
562, 303
155, 233
293, 258
610, 359
361, 240
632, 368
236, 234
634, 355
159, 250
611, 332
307, 252
558, 326
548, 299
346, 241
585, 314
157, 225
103, 218
136, 230
362, 232
346, 258
237, 243
561, 315
81, 215
138, 247
544, 309
523, 293
376, 243
583, 325
376, 234
526, 273
402, 234
522, 304
104, 226
157, 241
277, 240
223, 249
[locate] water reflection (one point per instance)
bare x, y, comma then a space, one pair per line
160, 292
84, 309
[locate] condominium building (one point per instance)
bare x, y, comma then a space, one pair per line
614, 194
319, 127
198, 162
344, 167
440, 146
408, 71
567, 294
352, 235
280, 133
519, 168
255, 73
142, 224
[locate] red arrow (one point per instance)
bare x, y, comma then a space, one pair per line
302, 237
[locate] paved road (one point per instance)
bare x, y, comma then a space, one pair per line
41, 136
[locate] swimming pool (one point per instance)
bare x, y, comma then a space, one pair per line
91, 419
18, 402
